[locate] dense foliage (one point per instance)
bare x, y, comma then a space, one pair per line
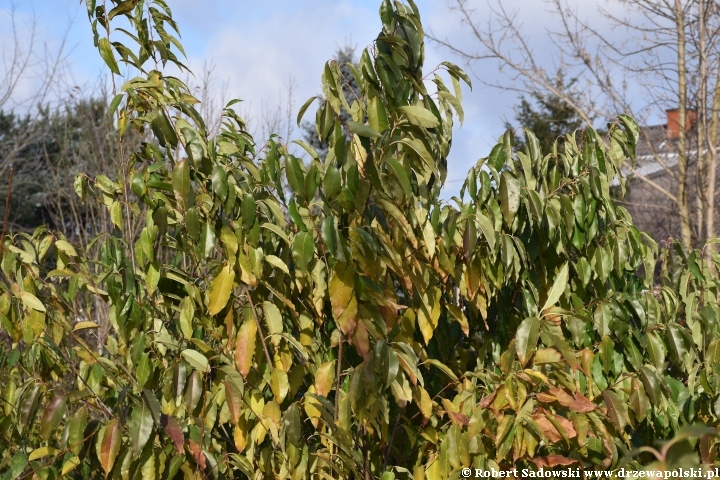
352, 325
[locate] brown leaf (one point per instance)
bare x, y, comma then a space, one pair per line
577, 402
485, 402
549, 429
198, 454
456, 417
459, 418
173, 431
550, 461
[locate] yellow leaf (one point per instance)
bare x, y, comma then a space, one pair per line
257, 402
116, 214
424, 402
220, 289
309, 405
324, 378
69, 465
85, 325
42, 452
279, 384
342, 298
240, 436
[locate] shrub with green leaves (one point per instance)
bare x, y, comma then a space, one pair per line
281, 318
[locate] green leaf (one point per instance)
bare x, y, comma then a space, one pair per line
402, 177
181, 183
509, 196
616, 410
377, 116
526, 339
457, 71
362, 130
420, 116
107, 54
273, 318
196, 360
558, 287
248, 210
17, 465
487, 228
52, 416
220, 182
123, 8
114, 104
186, 317
304, 108
303, 250
207, 240
332, 182
76, 430
31, 301
141, 425
221, 289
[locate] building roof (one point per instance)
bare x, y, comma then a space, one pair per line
654, 143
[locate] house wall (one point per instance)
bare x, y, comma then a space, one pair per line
656, 214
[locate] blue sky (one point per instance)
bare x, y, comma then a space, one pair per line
256, 45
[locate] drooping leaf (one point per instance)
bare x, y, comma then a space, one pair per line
526, 338
558, 287
109, 446
141, 424
196, 359
419, 116
107, 54
52, 416
245, 347
221, 289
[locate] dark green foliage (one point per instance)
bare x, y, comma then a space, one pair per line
547, 116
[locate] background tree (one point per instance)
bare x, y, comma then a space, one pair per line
548, 116
668, 62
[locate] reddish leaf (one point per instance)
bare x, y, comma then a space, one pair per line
485, 402
549, 429
577, 402
52, 415
173, 430
459, 418
110, 446
198, 454
234, 401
